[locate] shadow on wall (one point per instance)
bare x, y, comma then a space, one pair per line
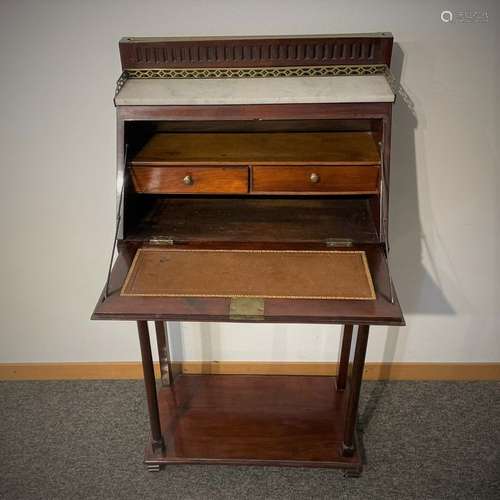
417, 290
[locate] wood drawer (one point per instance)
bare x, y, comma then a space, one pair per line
348, 179
187, 179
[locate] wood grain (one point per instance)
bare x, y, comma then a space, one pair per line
206, 180
292, 148
253, 419
331, 180
243, 112
258, 219
255, 51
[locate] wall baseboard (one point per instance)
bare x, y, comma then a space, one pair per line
133, 370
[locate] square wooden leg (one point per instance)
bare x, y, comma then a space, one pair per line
157, 442
344, 357
348, 446
166, 365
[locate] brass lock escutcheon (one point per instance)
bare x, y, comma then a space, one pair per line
188, 180
314, 178
246, 308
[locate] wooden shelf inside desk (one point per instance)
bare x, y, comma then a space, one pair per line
341, 148
252, 219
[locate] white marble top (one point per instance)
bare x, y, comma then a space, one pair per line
282, 90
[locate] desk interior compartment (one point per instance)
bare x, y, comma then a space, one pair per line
188, 249
245, 159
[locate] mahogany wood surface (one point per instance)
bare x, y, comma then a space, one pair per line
348, 445
315, 179
304, 112
248, 126
344, 352
259, 219
157, 441
164, 358
255, 51
245, 419
190, 179
192, 152
245, 112
292, 148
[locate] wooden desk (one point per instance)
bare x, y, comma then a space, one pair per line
252, 186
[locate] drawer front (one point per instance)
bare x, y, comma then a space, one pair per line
186, 179
349, 179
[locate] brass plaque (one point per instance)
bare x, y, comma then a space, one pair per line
245, 308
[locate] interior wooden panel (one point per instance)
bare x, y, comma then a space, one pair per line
206, 180
252, 219
235, 126
332, 179
293, 274
341, 148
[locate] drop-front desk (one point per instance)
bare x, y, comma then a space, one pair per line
253, 186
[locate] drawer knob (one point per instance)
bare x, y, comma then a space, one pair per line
188, 180
314, 178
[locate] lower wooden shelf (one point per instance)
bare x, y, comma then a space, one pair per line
253, 420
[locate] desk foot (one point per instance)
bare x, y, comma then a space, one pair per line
154, 467
347, 451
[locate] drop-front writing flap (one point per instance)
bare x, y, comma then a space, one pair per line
331, 280
273, 274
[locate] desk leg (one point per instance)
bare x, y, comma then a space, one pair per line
345, 350
355, 387
167, 375
157, 442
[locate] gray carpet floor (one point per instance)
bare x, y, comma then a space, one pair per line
85, 439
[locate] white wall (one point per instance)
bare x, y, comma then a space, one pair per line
58, 64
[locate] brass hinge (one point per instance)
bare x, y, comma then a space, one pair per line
339, 242
161, 241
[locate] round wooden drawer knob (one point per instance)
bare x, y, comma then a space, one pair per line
314, 178
188, 180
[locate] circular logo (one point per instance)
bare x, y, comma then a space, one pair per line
447, 16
